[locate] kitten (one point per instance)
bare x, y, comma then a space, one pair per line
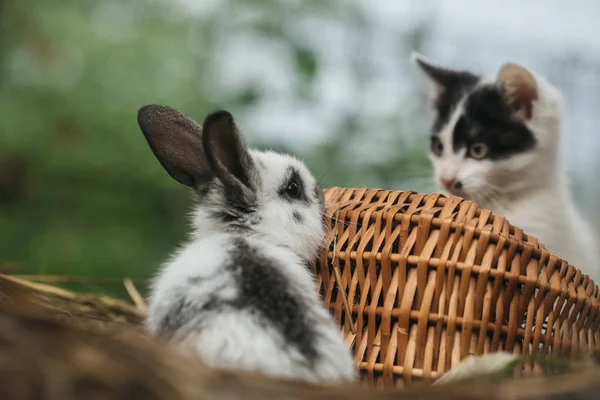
497, 141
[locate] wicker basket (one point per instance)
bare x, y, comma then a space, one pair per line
418, 282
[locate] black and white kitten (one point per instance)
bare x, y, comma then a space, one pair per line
497, 141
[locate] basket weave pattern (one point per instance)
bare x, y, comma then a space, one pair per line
418, 282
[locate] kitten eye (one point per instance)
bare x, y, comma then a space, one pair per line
478, 151
292, 190
437, 147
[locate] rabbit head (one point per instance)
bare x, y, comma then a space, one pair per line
239, 190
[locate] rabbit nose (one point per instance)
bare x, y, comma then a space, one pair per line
451, 183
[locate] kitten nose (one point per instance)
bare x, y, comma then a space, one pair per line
448, 182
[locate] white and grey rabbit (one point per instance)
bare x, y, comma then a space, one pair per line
240, 292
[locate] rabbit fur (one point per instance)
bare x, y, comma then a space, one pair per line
240, 293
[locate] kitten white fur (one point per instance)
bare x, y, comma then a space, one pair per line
531, 189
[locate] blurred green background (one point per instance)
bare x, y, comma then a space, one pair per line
81, 193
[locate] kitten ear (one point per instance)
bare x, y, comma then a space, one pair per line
442, 78
519, 87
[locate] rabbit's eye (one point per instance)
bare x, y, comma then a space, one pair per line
292, 190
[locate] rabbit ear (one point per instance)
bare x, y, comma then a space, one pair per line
176, 140
226, 151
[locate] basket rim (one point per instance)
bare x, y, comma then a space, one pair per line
537, 248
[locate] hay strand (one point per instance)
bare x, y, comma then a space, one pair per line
136, 297
64, 303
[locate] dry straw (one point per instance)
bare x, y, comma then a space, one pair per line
429, 280
54, 360
64, 304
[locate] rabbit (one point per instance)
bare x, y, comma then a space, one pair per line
240, 293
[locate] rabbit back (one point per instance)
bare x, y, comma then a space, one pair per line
241, 302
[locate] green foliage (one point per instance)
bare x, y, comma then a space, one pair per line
97, 202
90, 198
